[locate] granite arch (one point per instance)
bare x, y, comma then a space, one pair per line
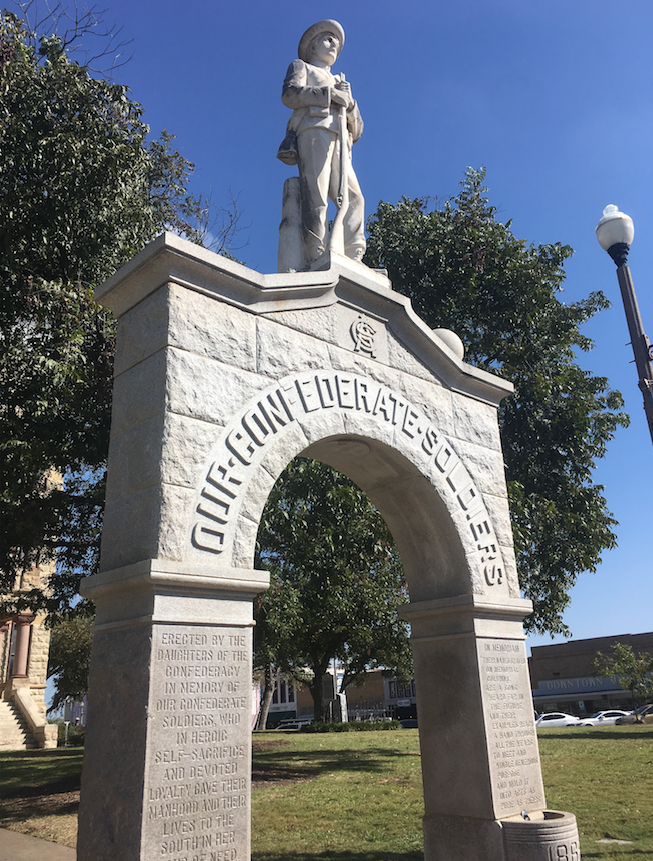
222, 376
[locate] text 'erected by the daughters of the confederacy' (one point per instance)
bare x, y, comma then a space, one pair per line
197, 783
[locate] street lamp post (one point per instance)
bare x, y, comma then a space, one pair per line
615, 232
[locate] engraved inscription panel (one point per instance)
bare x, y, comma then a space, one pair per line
510, 728
197, 773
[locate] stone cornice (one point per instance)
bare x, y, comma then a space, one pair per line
169, 259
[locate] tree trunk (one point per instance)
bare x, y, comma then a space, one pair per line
317, 689
318, 702
268, 693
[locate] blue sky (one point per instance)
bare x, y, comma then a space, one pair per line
554, 98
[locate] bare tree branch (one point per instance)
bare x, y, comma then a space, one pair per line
218, 226
77, 27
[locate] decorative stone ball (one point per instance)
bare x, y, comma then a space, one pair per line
452, 341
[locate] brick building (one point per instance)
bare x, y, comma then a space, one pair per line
562, 675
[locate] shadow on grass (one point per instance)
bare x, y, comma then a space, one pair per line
412, 855
27, 774
600, 734
69, 783
269, 773
332, 759
22, 809
625, 851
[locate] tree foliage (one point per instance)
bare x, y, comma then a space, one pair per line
82, 190
635, 670
464, 270
70, 658
336, 583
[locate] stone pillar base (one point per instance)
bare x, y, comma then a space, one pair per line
47, 736
553, 835
170, 711
461, 838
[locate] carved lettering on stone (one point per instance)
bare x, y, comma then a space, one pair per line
363, 334
512, 740
197, 774
292, 399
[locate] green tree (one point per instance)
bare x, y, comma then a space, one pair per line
70, 658
278, 616
82, 190
635, 671
336, 578
465, 270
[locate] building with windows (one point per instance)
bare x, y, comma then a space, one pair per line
24, 648
563, 679
401, 699
284, 703
379, 696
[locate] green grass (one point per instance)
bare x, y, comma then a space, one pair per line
605, 777
358, 796
38, 793
25, 770
364, 801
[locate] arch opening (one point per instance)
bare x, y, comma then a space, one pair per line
429, 545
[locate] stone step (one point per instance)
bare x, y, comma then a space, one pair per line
14, 732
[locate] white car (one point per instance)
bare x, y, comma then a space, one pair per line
294, 723
557, 719
607, 718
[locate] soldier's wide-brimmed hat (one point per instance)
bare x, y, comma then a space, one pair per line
326, 26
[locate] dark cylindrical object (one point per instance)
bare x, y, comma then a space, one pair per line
640, 342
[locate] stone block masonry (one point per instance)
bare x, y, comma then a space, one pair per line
223, 375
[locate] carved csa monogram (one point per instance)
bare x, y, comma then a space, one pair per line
363, 334
295, 397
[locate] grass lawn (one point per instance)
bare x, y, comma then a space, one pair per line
39, 793
358, 796
605, 777
365, 801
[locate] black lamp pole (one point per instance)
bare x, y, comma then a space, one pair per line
615, 233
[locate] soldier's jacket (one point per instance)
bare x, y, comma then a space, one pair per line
307, 91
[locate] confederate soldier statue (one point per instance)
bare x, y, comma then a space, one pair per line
325, 121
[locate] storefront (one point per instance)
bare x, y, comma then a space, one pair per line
583, 695
563, 679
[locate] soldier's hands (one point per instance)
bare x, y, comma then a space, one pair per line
341, 95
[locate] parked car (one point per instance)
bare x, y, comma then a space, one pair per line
644, 714
557, 719
606, 718
408, 723
295, 723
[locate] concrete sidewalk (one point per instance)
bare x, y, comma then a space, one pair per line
21, 847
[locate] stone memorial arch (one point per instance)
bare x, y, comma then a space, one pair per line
222, 376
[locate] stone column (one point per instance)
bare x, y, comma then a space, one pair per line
170, 714
480, 760
5, 649
23, 624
